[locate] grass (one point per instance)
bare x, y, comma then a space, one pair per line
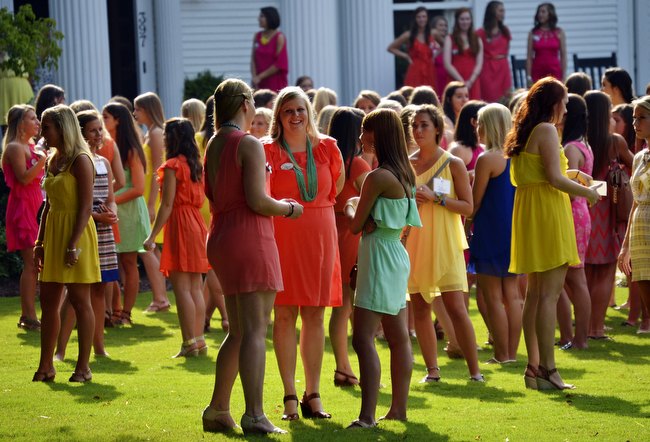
140, 393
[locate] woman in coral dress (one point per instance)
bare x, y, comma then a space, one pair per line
422, 49
464, 53
23, 169
269, 60
307, 167
495, 78
242, 250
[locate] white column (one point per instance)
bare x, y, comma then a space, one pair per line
169, 56
9, 4
312, 34
84, 67
642, 53
366, 31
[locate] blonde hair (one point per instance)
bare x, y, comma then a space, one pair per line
643, 102
287, 94
390, 104
193, 110
266, 113
324, 118
66, 122
152, 106
497, 121
436, 116
82, 105
15, 118
324, 97
227, 100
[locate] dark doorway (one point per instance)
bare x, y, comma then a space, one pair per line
121, 38
41, 8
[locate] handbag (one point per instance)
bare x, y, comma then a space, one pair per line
619, 190
407, 229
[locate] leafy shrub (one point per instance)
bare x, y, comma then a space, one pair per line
202, 87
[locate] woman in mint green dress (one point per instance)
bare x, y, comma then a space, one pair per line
385, 206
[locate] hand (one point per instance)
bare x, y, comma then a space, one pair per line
149, 243
297, 208
469, 84
38, 258
152, 213
624, 261
105, 215
71, 258
594, 196
256, 81
370, 225
424, 194
40, 154
409, 59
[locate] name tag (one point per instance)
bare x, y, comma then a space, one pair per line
100, 168
287, 166
441, 185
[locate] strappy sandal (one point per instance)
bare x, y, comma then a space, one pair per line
125, 318
44, 376
530, 381
184, 353
116, 317
347, 382
292, 416
107, 320
213, 424
204, 349
306, 409
248, 422
81, 377
29, 324
544, 381
429, 379
358, 424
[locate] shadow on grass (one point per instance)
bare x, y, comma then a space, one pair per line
622, 352
600, 404
133, 335
29, 338
69, 434
87, 392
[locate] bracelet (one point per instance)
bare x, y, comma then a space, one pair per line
70, 250
440, 199
38, 247
291, 212
38, 242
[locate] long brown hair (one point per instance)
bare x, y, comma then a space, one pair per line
490, 20
472, 38
390, 144
126, 133
552, 16
538, 107
598, 136
179, 140
413, 33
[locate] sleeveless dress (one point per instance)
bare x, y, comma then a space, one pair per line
465, 64
63, 195
148, 174
441, 74
308, 246
348, 243
241, 247
105, 238
265, 57
185, 232
489, 248
580, 207
543, 237
546, 54
205, 208
640, 229
133, 220
495, 78
604, 243
436, 249
22, 207
422, 72
383, 262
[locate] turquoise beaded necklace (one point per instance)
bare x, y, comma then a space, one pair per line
308, 192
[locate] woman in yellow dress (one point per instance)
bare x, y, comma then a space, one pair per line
543, 236
66, 252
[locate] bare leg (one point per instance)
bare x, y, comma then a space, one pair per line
363, 341
214, 299
189, 313
644, 288
28, 285
513, 303
498, 319
50, 298
634, 302
116, 294
600, 278
156, 279
409, 312
481, 303
286, 352
444, 320
401, 365
131, 279
68, 319
79, 295
338, 330
565, 318
312, 347
577, 282
464, 329
426, 333
528, 320
97, 301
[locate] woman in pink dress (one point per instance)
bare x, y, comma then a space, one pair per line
464, 53
269, 60
242, 251
546, 47
422, 49
495, 78
23, 170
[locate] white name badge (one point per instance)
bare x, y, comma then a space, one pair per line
287, 166
100, 168
441, 185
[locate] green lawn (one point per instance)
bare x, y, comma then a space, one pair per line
140, 393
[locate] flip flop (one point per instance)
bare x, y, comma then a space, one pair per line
601, 338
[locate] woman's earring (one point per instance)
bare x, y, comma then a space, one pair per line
22, 134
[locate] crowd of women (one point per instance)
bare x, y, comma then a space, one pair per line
383, 211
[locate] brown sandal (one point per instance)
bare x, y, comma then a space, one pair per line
292, 416
347, 382
29, 324
307, 410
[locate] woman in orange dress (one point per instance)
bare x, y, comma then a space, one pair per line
308, 247
183, 258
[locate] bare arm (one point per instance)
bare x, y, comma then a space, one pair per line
394, 47
15, 155
118, 170
624, 152
165, 209
137, 179
479, 65
576, 159
155, 143
340, 182
561, 36
372, 188
253, 66
358, 183
82, 169
624, 255
108, 213
40, 239
451, 70
529, 56
253, 162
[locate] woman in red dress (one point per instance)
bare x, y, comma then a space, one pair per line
309, 253
546, 47
440, 31
495, 78
464, 53
269, 60
422, 49
242, 251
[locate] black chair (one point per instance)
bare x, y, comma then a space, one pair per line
518, 73
594, 67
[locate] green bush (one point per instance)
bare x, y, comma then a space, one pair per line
202, 87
